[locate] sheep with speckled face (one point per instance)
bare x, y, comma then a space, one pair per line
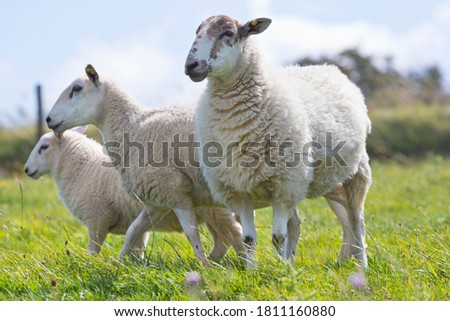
306, 126
181, 189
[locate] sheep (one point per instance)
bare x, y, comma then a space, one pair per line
94, 194
303, 128
157, 177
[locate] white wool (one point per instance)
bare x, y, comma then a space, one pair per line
91, 192
298, 104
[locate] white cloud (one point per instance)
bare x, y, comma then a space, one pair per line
290, 38
441, 14
259, 8
132, 65
428, 43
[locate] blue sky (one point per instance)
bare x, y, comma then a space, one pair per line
142, 44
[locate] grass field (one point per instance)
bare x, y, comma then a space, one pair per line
43, 250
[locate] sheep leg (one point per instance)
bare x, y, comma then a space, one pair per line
351, 197
226, 231
96, 238
356, 189
136, 231
342, 215
247, 217
293, 226
188, 222
220, 246
139, 249
281, 216
233, 236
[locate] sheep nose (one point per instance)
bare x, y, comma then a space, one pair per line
190, 67
26, 170
48, 119
196, 69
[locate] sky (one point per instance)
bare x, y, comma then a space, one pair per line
142, 45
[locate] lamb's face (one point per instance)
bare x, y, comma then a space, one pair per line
79, 104
42, 156
218, 46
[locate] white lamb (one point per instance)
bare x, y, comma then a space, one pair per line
138, 143
295, 132
94, 194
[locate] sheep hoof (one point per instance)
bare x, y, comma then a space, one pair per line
278, 241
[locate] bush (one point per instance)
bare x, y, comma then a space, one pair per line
15, 146
411, 132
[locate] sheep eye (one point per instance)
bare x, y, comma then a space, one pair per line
43, 147
227, 33
76, 89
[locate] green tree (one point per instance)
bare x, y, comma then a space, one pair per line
382, 84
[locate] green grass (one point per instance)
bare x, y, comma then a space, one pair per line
43, 249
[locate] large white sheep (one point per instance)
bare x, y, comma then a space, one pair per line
141, 144
295, 132
94, 194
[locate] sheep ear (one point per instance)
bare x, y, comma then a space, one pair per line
255, 26
58, 135
92, 74
80, 129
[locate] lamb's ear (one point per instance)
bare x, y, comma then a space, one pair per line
92, 74
80, 129
58, 135
254, 27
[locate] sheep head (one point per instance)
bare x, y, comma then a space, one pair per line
79, 104
42, 156
47, 152
218, 46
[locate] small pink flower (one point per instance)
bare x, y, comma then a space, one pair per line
193, 278
357, 280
